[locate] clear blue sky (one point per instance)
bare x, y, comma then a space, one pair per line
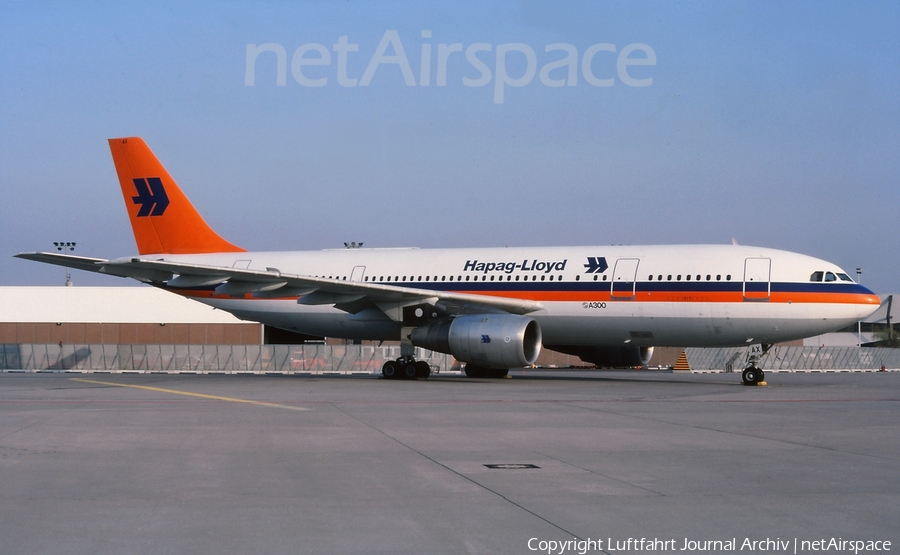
777, 124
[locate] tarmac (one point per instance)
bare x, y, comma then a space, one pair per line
228, 464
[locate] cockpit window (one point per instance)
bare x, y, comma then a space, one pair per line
830, 277
816, 276
845, 277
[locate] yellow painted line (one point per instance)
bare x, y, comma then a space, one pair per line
190, 394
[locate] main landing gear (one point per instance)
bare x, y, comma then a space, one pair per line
405, 368
473, 371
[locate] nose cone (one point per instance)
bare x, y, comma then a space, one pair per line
867, 301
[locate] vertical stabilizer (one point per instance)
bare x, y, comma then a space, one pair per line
162, 217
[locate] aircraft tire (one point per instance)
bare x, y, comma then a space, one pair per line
751, 376
390, 370
473, 371
423, 370
410, 371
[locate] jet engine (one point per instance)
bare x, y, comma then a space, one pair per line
608, 357
487, 340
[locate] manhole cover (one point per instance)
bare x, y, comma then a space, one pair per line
511, 466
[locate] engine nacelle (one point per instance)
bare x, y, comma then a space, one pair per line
608, 357
487, 340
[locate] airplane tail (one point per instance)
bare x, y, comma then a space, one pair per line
162, 217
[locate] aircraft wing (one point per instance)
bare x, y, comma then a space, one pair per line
352, 297
68, 260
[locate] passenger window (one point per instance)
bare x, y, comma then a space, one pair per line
816, 276
830, 277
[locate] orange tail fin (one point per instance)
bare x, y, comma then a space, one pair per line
162, 217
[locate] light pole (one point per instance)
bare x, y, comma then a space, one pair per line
61, 246
859, 323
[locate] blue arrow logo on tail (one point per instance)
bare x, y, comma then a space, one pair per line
596, 265
152, 198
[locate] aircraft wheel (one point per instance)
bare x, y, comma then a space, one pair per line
751, 376
473, 371
498, 372
390, 369
423, 370
410, 370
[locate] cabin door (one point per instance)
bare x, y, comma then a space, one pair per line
757, 285
623, 280
358, 272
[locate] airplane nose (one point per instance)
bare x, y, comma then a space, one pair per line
869, 297
867, 302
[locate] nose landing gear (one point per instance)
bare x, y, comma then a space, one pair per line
753, 375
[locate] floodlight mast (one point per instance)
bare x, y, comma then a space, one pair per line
63, 246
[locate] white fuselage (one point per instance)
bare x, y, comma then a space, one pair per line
691, 295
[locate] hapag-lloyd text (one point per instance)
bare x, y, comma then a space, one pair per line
510, 267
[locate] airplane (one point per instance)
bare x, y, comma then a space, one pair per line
491, 308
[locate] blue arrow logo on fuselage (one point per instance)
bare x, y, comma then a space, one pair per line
596, 265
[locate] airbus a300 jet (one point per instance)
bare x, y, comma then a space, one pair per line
491, 308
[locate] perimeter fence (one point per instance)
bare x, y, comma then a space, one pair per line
205, 359
797, 359
368, 359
